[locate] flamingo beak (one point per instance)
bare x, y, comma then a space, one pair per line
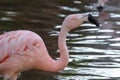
100, 8
93, 20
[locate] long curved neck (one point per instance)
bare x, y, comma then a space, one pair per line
64, 54
101, 2
62, 62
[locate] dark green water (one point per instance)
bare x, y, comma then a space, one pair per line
94, 52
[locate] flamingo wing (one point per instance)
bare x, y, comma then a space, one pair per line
15, 42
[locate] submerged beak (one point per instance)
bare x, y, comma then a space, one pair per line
100, 5
100, 8
93, 20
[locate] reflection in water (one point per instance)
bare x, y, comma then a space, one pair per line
94, 52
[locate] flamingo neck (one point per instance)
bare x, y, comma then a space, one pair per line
62, 62
64, 54
101, 2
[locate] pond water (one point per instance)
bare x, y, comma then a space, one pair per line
94, 52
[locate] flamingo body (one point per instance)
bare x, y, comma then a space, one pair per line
24, 50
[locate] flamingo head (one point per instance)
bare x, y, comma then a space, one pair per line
100, 5
75, 20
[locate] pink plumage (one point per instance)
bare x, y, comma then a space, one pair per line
24, 50
15, 42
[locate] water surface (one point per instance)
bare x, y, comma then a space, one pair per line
94, 52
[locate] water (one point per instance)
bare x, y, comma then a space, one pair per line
94, 52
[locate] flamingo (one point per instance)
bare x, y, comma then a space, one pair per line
22, 50
100, 5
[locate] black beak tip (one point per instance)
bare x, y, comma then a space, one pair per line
100, 8
93, 20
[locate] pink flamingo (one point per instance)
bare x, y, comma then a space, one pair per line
24, 50
100, 4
